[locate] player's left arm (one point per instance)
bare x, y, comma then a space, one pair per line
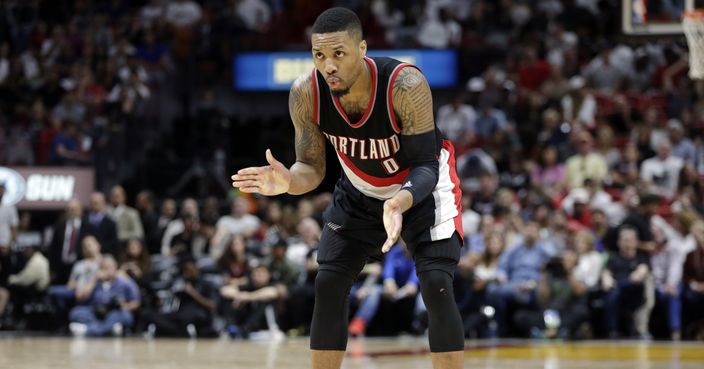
413, 104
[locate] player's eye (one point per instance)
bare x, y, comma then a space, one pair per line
319, 55
339, 54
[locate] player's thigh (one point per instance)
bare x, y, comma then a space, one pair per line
438, 255
341, 254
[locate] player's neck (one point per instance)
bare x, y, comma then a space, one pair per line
362, 87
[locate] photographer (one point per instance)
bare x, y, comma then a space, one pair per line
195, 303
109, 307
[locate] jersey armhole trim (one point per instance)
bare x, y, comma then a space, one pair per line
389, 99
316, 99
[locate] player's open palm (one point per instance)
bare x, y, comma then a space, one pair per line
393, 220
269, 180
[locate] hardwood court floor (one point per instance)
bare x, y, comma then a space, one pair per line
64, 353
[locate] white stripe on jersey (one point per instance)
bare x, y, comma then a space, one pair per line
380, 193
445, 208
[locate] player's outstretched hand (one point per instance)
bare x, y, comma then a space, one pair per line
393, 220
269, 180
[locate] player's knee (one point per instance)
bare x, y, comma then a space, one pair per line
331, 287
436, 287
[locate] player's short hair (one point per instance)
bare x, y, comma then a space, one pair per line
336, 20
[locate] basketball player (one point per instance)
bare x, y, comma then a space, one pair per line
398, 180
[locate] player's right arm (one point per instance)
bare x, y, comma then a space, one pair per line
309, 170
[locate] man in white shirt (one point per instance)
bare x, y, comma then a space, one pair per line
238, 222
662, 171
456, 121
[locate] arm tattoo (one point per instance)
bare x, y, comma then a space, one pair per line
413, 102
310, 145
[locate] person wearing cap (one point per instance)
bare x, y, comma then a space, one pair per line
682, 146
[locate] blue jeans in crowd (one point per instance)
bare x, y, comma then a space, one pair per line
369, 306
674, 308
624, 298
97, 327
61, 296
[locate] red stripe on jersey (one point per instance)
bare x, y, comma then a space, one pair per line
372, 180
447, 145
372, 99
389, 100
316, 103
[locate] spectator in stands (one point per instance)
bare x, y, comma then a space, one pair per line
250, 308
9, 221
285, 273
196, 305
238, 222
661, 172
135, 262
309, 232
30, 283
561, 297
184, 244
671, 249
366, 295
548, 177
255, 14
626, 171
682, 146
183, 13
484, 268
484, 200
590, 262
233, 262
149, 219
126, 218
82, 274
603, 72
579, 106
175, 225
517, 276
456, 121
693, 277
623, 280
64, 248
586, 163
98, 223
110, 306
439, 31
400, 288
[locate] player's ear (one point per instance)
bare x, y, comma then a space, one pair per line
363, 47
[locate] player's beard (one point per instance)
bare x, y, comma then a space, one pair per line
340, 93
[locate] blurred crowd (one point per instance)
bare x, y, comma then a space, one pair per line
581, 158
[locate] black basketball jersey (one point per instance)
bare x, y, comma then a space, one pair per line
370, 150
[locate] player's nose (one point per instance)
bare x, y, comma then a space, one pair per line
330, 68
